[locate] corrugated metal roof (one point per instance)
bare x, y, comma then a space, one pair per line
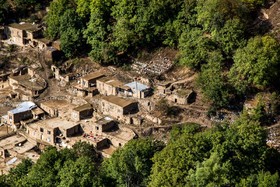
23, 107
137, 86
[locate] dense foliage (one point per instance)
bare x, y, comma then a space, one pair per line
15, 10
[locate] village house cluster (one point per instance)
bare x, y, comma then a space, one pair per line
98, 109
30, 35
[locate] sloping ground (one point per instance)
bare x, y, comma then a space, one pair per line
273, 14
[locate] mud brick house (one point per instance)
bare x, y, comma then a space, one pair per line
104, 124
53, 130
182, 97
138, 89
89, 80
108, 86
22, 33
117, 107
22, 112
82, 112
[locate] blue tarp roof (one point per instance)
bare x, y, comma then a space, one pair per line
23, 107
137, 86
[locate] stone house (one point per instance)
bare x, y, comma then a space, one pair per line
117, 107
27, 86
82, 112
52, 131
182, 97
89, 80
108, 86
22, 112
138, 90
104, 124
22, 33
161, 87
54, 107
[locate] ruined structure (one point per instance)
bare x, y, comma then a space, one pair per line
27, 86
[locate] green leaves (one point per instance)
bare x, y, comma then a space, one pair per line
256, 64
222, 156
212, 81
131, 165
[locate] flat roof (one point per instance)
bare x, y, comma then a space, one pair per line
54, 123
113, 82
43, 40
25, 26
23, 107
93, 75
137, 86
12, 140
37, 111
29, 82
104, 120
83, 107
118, 100
55, 103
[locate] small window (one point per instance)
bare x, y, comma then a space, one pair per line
97, 128
49, 132
41, 130
120, 144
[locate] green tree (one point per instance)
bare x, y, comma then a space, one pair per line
84, 149
98, 30
78, 173
213, 83
221, 156
213, 14
71, 36
194, 47
83, 8
4, 10
131, 165
44, 172
255, 65
262, 179
211, 172
231, 36
20, 171
56, 10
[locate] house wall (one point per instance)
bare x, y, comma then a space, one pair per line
4, 84
79, 115
16, 35
133, 107
72, 131
104, 143
106, 89
99, 128
111, 109
51, 111
15, 118
13, 83
117, 142
42, 133
116, 111
141, 94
